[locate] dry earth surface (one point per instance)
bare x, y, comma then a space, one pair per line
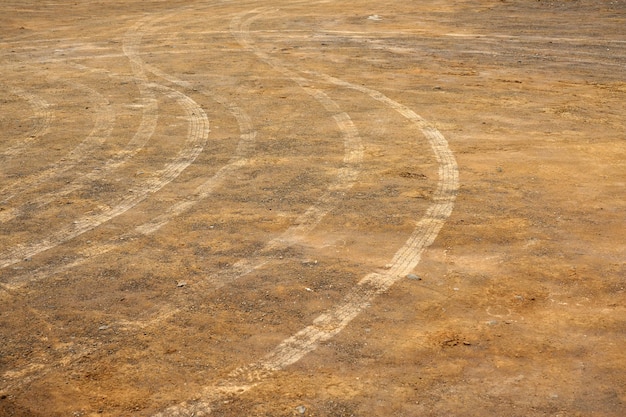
320, 208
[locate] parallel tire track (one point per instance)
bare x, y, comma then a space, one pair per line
330, 323
143, 134
345, 178
105, 119
197, 137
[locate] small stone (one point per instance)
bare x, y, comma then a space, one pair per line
301, 409
181, 284
104, 327
414, 277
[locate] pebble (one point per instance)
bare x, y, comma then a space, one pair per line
301, 409
181, 284
103, 327
413, 276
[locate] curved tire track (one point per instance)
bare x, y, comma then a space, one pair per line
345, 179
197, 136
105, 119
330, 323
43, 119
146, 129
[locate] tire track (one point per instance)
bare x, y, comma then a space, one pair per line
330, 323
197, 137
145, 131
43, 119
240, 159
105, 119
344, 181
143, 134
306, 222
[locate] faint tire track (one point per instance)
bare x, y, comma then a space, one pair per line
196, 139
238, 160
145, 131
42, 119
105, 119
345, 179
330, 323
143, 134
306, 222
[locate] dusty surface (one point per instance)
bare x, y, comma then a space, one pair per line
243, 208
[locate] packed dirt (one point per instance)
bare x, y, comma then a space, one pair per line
320, 208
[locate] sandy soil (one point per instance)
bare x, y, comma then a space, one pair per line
283, 208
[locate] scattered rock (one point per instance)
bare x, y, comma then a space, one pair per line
301, 409
103, 327
181, 284
374, 17
414, 277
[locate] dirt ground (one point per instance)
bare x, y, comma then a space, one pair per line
320, 208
